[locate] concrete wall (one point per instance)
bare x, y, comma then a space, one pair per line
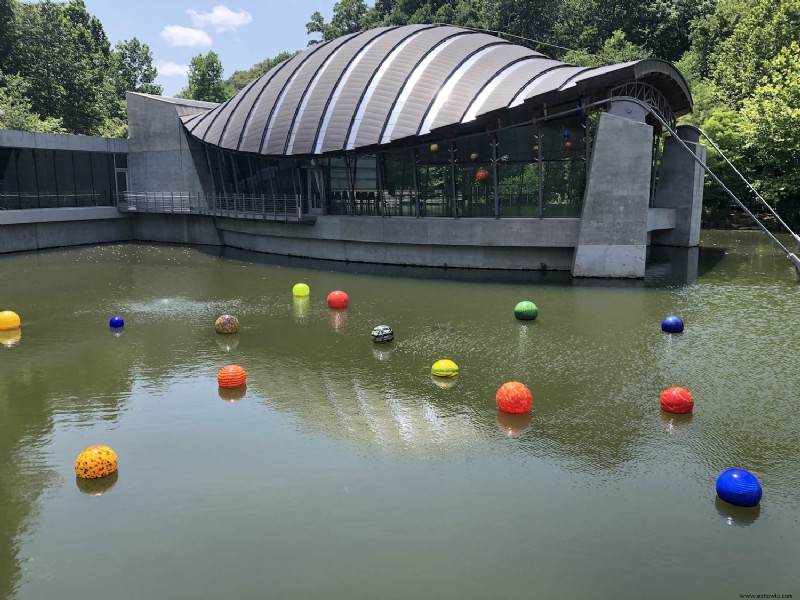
160, 156
529, 244
25, 230
613, 231
57, 141
680, 187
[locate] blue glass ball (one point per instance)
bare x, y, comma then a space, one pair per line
116, 322
739, 487
672, 324
565, 133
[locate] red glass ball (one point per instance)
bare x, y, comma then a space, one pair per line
677, 400
568, 145
514, 397
482, 175
338, 299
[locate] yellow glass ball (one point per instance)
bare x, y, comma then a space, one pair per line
9, 320
300, 290
96, 461
444, 368
434, 148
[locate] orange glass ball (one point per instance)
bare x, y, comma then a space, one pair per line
677, 400
232, 376
482, 175
514, 397
96, 461
338, 299
568, 145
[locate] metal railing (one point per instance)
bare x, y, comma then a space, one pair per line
236, 206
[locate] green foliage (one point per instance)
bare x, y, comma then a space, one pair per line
132, 69
744, 58
616, 49
347, 18
205, 79
240, 79
16, 111
771, 116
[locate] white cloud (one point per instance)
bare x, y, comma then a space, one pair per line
221, 18
166, 68
175, 35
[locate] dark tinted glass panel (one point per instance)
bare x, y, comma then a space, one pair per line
563, 184
518, 189
473, 172
26, 173
121, 161
216, 170
46, 178
65, 176
102, 174
8, 178
398, 183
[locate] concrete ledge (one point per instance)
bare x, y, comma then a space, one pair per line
59, 141
660, 218
56, 215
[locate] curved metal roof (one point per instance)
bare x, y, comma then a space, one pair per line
386, 84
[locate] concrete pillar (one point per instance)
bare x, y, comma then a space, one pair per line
613, 234
680, 187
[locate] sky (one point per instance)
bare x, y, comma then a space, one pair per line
241, 32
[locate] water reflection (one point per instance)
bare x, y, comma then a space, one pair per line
513, 425
232, 394
444, 382
98, 486
675, 423
737, 515
300, 306
337, 319
227, 342
10, 338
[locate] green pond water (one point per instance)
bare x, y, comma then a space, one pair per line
346, 471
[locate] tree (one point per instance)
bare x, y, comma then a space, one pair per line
771, 117
240, 79
16, 111
347, 18
62, 53
744, 59
616, 49
7, 34
205, 79
132, 69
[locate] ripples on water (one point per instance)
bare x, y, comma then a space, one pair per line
336, 438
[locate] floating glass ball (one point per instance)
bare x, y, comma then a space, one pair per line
473, 156
482, 175
565, 133
739, 487
382, 334
514, 397
338, 299
672, 324
568, 145
677, 400
231, 376
96, 461
434, 148
226, 324
444, 368
9, 320
116, 322
526, 311
300, 290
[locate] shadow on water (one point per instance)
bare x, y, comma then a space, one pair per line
666, 267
